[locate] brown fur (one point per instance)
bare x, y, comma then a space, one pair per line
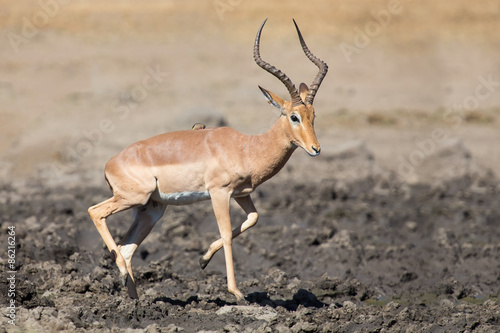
187, 166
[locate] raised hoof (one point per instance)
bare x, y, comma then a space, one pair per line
132, 291
204, 263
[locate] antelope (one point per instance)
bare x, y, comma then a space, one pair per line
184, 167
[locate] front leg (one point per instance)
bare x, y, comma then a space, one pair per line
252, 217
220, 203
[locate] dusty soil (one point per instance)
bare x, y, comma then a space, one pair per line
393, 228
332, 255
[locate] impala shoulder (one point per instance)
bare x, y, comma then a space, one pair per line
222, 135
224, 129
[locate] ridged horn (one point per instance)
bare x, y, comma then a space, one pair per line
294, 94
323, 68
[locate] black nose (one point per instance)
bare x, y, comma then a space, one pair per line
317, 150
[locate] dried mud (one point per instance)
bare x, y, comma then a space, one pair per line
356, 250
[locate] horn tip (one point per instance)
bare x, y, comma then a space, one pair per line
261, 26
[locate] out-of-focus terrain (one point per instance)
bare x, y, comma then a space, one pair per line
66, 67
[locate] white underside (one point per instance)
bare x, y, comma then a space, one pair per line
181, 198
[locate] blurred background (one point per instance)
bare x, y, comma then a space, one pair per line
81, 80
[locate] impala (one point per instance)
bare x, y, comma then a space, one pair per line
184, 167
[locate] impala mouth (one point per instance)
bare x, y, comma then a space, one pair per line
315, 151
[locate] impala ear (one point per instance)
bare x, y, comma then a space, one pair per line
303, 91
273, 99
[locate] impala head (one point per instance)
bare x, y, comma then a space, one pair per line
299, 111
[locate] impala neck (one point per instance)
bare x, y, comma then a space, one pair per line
272, 151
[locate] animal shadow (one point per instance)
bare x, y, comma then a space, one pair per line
219, 302
301, 297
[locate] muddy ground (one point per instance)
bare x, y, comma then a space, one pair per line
363, 253
393, 228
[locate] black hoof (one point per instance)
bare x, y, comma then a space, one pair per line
204, 263
132, 291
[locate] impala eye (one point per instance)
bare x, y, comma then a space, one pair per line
294, 118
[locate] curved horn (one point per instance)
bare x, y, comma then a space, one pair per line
323, 68
274, 71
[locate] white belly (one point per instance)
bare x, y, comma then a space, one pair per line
180, 198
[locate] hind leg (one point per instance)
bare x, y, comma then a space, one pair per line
99, 213
145, 218
121, 200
